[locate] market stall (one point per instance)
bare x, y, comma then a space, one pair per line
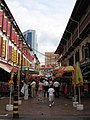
66, 76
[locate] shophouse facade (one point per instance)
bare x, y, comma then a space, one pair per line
14, 50
75, 43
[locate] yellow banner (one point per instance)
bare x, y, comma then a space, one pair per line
4, 49
79, 77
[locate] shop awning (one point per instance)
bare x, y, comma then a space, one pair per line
31, 70
38, 75
5, 67
64, 69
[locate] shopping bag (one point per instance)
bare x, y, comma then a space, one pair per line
22, 90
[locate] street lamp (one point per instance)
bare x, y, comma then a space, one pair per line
20, 74
23, 47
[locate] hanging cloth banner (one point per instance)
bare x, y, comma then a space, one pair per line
15, 42
1, 42
79, 77
9, 29
1, 17
4, 49
13, 35
12, 75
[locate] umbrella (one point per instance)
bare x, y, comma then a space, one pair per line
79, 79
69, 69
65, 69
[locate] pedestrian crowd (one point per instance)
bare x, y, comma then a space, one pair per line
43, 88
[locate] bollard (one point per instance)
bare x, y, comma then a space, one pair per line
15, 107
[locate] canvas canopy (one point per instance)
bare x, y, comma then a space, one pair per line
63, 70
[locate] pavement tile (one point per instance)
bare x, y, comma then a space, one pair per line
34, 108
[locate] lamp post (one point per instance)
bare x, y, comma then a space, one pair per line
24, 46
21, 60
21, 63
20, 76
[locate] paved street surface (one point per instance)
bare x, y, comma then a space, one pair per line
33, 109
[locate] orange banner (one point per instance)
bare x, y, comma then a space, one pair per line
4, 49
1, 42
12, 54
17, 57
1, 17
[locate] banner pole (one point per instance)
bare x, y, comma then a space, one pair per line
79, 94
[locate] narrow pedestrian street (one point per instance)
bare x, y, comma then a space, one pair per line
45, 60
32, 108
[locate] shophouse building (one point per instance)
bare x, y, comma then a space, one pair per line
74, 45
14, 49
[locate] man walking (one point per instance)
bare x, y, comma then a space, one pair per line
56, 85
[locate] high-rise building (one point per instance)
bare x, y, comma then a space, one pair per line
31, 38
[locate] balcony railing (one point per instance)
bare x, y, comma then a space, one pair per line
83, 24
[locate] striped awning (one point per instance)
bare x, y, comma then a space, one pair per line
5, 67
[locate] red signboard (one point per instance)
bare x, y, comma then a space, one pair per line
13, 35
5, 24
10, 53
15, 38
4, 49
9, 29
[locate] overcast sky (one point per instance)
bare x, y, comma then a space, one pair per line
48, 17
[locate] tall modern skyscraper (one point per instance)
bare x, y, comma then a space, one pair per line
31, 38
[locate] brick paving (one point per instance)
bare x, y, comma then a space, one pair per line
33, 107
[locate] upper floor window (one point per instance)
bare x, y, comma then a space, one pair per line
86, 51
77, 56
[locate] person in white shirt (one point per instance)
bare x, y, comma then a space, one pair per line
46, 87
33, 87
56, 85
40, 91
51, 96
